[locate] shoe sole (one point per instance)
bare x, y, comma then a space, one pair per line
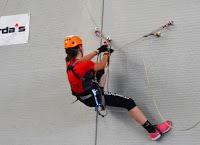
156, 138
170, 126
167, 129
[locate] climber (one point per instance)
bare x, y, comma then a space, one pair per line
81, 72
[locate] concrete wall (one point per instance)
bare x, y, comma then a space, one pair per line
35, 99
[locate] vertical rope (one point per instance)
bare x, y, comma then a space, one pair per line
96, 128
102, 22
3, 7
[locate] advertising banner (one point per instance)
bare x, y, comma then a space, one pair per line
14, 29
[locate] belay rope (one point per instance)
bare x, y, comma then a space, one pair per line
156, 33
3, 7
100, 106
102, 16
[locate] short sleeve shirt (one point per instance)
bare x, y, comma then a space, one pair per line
80, 68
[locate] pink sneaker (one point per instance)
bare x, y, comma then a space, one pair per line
164, 127
155, 136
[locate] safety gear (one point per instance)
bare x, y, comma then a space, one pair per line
80, 75
104, 48
72, 41
164, 127
111, 50
83, 84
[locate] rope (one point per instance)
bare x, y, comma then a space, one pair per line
85, 3
3, 7
129, 43
96, 128
155, 102
146, 72
102, 22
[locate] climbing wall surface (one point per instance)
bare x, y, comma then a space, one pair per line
35, 99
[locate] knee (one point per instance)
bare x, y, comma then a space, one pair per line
130, 104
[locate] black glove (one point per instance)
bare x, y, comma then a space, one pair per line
111, 50
104, 48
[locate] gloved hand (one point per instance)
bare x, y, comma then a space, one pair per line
104, 48
111, 50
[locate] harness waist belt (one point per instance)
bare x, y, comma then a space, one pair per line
85, 97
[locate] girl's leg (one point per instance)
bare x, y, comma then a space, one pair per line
116, 100
113, 99
138, 115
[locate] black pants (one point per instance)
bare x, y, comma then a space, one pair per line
112, 99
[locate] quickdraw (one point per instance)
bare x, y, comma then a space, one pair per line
157, 32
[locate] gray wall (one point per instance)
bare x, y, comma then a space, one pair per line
35, 99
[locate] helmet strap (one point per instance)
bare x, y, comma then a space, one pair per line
81, 51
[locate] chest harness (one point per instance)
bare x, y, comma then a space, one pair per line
91, 88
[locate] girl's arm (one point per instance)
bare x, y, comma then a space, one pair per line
90, 55
102, 64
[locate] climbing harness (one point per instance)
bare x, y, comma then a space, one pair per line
100, 107
89, 85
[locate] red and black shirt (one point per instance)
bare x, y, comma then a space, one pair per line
84, 69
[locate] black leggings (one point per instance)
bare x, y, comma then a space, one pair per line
112, 99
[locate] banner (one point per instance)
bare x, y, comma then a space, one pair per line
14, 29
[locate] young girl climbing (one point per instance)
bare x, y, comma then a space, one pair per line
81, 73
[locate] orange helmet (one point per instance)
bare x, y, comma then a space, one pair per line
72, 41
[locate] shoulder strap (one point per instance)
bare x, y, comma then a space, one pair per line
71, 68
